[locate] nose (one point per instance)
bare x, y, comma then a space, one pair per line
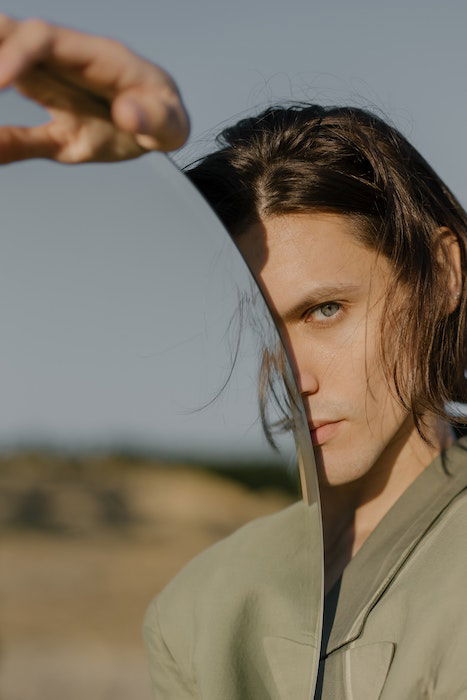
305, 373
307, 381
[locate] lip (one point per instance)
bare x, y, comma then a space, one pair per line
321, 431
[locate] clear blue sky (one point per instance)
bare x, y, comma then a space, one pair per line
86, 259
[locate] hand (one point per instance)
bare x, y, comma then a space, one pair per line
105, 102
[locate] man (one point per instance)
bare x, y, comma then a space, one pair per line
392, 478
360, 249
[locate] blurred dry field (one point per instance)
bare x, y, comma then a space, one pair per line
86, 542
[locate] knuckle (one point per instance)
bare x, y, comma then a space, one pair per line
36, 25
114, 46
116, 50
7, 22
35, 32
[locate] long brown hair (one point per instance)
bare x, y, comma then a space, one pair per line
345, 160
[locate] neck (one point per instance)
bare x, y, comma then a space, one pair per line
352, 511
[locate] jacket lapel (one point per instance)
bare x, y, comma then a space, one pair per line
357, 672
291, 664
366, 668
291, 649
375, 565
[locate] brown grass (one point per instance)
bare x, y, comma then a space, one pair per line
84, 548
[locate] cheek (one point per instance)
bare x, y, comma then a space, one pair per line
379, 410
361, 370
355, 351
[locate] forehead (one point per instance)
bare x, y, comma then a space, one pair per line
293, 250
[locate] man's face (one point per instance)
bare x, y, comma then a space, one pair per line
327, 291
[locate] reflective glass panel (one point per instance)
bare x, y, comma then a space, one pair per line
130, 433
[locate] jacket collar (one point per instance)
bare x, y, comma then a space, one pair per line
291, 650
382, 555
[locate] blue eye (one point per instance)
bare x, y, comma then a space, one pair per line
323, 312
329, 309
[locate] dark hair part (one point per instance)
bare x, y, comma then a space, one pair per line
345, 160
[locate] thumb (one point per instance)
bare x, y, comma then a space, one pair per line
155, 115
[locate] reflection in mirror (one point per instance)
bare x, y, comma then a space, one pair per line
131, 440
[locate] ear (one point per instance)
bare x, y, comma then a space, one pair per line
449, 254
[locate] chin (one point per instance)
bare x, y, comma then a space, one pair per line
334, 468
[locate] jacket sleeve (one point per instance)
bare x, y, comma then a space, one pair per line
169, 682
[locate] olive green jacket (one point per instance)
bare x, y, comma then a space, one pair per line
234, 624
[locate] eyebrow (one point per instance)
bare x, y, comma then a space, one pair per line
317, 294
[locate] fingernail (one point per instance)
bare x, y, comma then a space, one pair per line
141, 117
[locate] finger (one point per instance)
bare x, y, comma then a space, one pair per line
96, 142
101, 61
157, 119
7, 25
52, 91
152, 117
21, 143
152, 107
21, 47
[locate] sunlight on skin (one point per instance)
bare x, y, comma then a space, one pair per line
328, 292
